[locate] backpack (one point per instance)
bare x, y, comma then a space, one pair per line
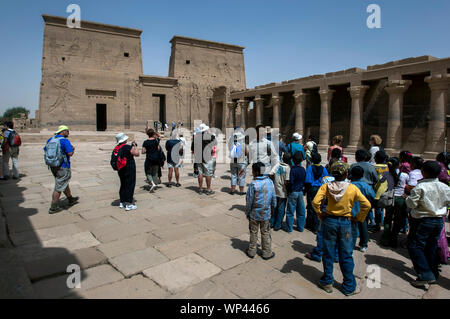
236, 150
386, 199
54, 156
14, 139
118, 162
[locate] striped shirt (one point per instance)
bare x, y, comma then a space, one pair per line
261, 199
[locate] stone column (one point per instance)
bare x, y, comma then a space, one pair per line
243, 104
230, 119
259, 106
276, 103
439, 85
325, 117
396, 90
299, 111
356, 121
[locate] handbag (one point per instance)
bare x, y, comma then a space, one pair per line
386, 199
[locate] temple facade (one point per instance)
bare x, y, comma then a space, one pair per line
405, 102
92, 79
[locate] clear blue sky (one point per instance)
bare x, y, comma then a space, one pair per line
284, 39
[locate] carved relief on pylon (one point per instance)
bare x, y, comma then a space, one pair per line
64, 93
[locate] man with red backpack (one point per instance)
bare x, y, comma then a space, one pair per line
10, 148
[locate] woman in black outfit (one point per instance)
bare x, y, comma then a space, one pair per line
127, 174
152, 161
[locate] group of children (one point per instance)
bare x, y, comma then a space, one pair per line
339, 200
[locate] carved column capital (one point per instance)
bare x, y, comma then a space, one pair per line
243, 104
438, 81
358, 92
231, 105
276, 99
300, 97
258, 100
397, 86
326, 95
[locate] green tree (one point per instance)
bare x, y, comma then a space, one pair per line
14, 112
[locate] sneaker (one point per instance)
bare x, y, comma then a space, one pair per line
152, 188
210, 192
268, 258
169, 185
311, 257
200, 191
327, 288
130, 207
423, 284
355, 292
54, 210
363, 249
121, 205
177, 185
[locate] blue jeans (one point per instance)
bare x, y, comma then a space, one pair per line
360, 229
379, 212
295, 203
318, 250
278, 215
338, 232
423, 239
312, 220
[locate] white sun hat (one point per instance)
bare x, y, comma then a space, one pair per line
203, 128
121, 137
297, 137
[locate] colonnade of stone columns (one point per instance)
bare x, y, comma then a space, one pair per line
439, 85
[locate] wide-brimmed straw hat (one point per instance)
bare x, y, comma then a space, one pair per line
61, 129
121, 137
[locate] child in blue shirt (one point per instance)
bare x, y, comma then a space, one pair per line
357, 173
295, 197
314, 176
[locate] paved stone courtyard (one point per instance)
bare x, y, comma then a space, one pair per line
178, 244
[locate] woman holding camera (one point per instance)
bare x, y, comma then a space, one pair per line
127, 174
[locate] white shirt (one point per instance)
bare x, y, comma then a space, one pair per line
399, 189
373, 150
414, 177
430, 198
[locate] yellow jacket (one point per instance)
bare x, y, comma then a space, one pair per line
342, 206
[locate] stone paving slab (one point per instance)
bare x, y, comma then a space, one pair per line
178, 248
134, 262
120, 231
249, 280
181, 273
97, 224
226, 225
41, 235
17, 224
90, 278
137, 287
224, 255
178, 232
129, 244
62, 245
57, 264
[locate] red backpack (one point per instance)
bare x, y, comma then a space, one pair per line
118, 162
